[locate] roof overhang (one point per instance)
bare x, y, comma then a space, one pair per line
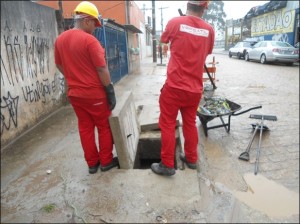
132, 28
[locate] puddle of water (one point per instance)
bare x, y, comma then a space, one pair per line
269, 197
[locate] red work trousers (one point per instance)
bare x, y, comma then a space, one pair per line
93, 113
171, 101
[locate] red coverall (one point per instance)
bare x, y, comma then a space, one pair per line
192, 39
79, 54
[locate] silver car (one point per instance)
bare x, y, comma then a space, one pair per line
240, 49
273, 51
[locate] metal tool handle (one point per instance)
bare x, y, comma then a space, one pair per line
259, 144
209, 76
180, 12
250, 143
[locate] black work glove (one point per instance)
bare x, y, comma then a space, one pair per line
110, 93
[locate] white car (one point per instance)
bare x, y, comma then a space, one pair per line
273, 51
240, 49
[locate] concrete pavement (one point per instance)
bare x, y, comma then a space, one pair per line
223, 190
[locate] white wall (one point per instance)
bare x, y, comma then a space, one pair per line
146, 50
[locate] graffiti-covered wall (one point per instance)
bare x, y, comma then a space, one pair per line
31, 86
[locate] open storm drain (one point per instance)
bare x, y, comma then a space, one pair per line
136, 134
148, 150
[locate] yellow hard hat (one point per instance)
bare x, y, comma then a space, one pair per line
89, 9
200, 3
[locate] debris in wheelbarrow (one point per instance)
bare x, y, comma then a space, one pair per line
215, 106
220, 107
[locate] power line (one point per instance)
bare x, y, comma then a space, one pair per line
161, 9
113, 6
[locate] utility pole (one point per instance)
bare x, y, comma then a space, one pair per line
162, 28
161, 14
232, 35
60, 6
242, 24
153, 32
144, 11
60, 20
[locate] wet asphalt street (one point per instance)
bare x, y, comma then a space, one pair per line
276, 88
230, 192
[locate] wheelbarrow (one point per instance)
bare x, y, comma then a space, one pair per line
205, 117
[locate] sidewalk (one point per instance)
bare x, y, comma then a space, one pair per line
216, 194
44, 177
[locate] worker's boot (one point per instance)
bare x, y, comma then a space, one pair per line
161, 169
114, 163
190, 165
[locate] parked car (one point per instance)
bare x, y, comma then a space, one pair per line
240, 49
273, 51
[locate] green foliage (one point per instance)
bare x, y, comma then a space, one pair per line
48, 208
215, 15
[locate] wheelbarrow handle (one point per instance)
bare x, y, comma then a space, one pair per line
253, 108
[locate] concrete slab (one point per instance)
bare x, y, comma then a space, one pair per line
135, 196
129, 196
149, 116
125, 129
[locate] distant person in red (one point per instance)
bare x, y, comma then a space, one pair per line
192, 39
165, 50
159, 50
81, 59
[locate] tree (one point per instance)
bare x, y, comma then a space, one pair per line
215, 15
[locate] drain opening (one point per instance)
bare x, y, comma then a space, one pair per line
148, 151
146, 163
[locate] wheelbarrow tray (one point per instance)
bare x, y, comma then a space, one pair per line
234, 107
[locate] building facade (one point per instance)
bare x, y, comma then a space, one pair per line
275, 20
125, 13
279, 24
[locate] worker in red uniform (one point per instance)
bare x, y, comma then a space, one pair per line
192, 39
81, 59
